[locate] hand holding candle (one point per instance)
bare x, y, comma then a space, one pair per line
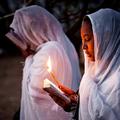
62, 95
65, 89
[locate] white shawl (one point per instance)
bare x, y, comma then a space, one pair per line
100, 86
41, 31
35, 26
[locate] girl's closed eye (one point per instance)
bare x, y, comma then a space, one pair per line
87, 38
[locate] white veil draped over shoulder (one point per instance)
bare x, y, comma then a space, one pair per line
34, 25
41, 31
100, 86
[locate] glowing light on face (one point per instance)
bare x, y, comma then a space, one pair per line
87, 40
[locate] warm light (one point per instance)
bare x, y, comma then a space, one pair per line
49, 68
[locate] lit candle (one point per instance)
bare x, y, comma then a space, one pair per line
51, 73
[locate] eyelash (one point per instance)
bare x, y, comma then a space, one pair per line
87, 40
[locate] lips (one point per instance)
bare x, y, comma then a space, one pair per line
87, 53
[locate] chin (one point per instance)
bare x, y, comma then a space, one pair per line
91, 59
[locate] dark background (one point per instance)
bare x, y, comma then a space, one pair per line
68, 12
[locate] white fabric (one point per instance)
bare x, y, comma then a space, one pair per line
100, 86
36, 103
39, 30
34, 25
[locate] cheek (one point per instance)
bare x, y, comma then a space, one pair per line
92, 52
91, 48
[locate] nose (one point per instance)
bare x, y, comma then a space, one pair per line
84, 46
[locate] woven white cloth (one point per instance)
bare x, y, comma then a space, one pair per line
41, 31
100, 86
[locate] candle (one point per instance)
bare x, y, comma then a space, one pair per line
50, 72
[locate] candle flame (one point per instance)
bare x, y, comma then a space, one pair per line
49, 65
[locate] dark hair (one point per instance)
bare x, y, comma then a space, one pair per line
86, 19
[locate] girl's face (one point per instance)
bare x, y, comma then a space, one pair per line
87, 40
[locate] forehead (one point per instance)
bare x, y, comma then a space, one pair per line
86, 28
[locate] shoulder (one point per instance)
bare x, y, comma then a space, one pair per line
50, 48
51, 45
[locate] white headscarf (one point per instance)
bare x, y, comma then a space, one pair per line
34, 25
100, 85
38, 29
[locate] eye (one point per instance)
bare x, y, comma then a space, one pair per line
86, 38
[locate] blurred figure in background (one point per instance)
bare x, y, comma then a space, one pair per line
39, 36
